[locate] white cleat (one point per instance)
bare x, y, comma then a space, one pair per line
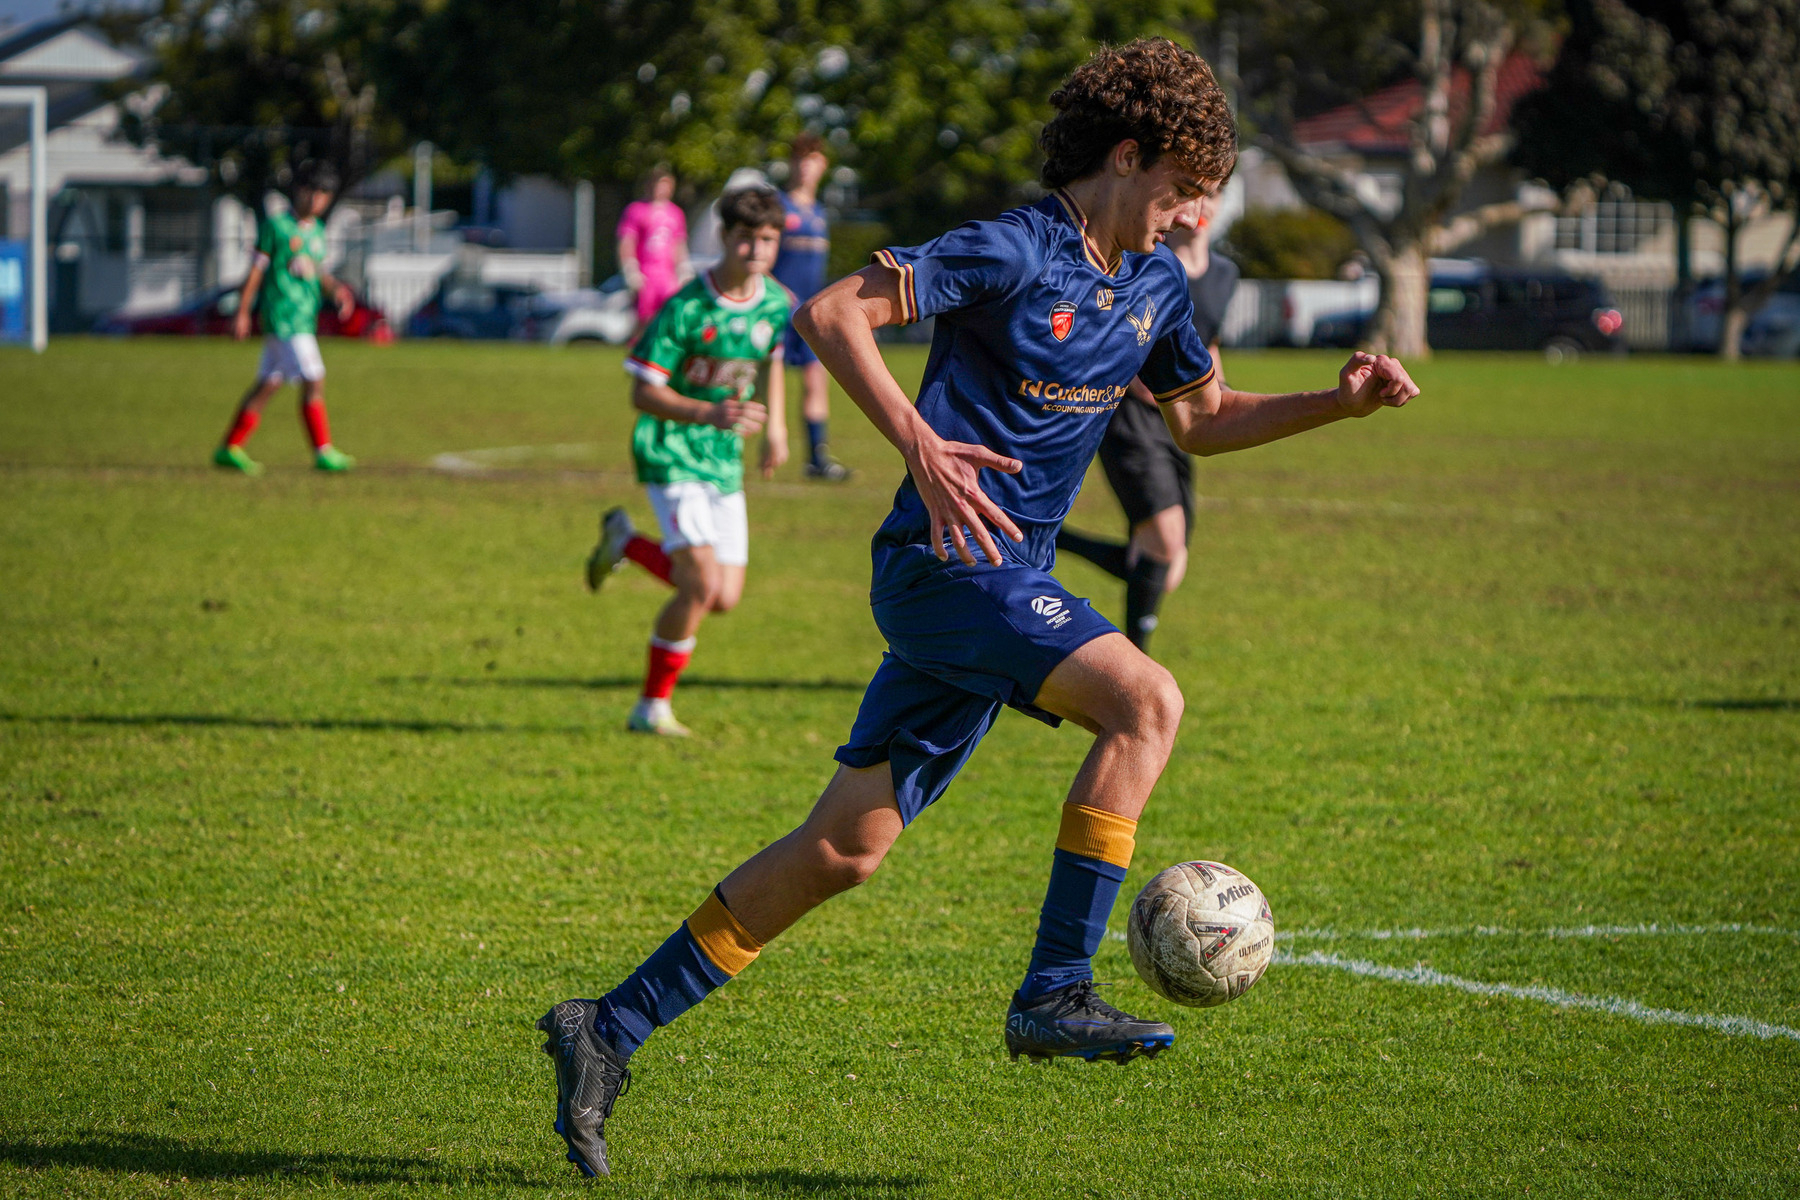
615, 530
655, 716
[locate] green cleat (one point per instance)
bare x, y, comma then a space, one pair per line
233, 458
330, 458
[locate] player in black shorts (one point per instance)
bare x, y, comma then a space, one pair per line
1152, 476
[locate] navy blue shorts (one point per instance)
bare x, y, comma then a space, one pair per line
797, 352
962, 641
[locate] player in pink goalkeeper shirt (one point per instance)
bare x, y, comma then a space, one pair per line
653, 247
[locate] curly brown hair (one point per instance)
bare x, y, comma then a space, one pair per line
1160, 95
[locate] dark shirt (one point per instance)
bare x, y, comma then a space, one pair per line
1034, 346
1211, 294
805, 248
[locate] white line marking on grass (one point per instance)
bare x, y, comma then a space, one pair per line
1643, 929
1426, 977
491, 458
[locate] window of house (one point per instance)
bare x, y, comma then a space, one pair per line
1616, 223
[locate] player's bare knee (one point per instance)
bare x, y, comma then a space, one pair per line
837, 867
1157, 706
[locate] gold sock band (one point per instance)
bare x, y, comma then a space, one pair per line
1092, 833
722, 939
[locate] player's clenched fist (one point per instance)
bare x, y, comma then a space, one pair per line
1372, 381
740, 416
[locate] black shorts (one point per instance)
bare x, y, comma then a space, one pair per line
1147, 470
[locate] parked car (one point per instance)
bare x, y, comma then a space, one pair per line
1563, 316
462, 308
602, 314
210, 313
1773, 330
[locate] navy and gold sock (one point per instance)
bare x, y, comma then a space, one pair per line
816, 442
706, 953
1093, 851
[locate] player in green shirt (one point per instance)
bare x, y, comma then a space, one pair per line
290, 256
712, 350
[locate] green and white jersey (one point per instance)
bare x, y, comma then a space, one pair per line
706, 347
295, 251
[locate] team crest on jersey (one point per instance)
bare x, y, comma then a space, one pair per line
1145, 323
709, 333
1103, 299
1062, 319
761, 334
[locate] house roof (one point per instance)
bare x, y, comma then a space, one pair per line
65, 49
73, 61
1381, 124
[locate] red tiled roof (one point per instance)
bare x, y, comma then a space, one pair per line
1381, 124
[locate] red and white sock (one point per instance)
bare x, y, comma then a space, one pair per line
317, 428
667, 661
244, 426
648, 555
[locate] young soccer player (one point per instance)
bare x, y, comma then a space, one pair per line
290, 256
711, 350
1152, 476
1044, 316
805, 250
653, 246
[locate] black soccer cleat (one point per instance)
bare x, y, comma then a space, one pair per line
590, 1077
1075, 1022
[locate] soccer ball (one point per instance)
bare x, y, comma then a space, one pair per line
1201, 934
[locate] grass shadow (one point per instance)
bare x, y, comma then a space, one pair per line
788, 1182
327, 724
1727, 704
143, 1153
635, 681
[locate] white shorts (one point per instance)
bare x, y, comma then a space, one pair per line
696, 514
289, 360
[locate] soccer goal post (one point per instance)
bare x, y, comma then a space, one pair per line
37, 99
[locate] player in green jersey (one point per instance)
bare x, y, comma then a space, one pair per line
290, 256
712, 350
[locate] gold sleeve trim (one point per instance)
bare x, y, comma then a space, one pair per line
909, 298
1188, 389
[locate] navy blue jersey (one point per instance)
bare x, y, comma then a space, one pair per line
1035, 343
805, 247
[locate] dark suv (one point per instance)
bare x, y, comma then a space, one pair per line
1563, 316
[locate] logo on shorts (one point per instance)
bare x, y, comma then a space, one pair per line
1062, 319
1056, 614
1103, 299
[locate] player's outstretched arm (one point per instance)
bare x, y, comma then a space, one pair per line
839, 323
1219, 420
739, 416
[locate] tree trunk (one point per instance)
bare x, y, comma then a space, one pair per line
1399, 325
1731, 325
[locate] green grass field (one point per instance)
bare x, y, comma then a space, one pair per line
314, 795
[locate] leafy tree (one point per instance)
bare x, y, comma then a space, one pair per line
1271, 243
937, 106
1696, 102
249, 88
1307, 57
